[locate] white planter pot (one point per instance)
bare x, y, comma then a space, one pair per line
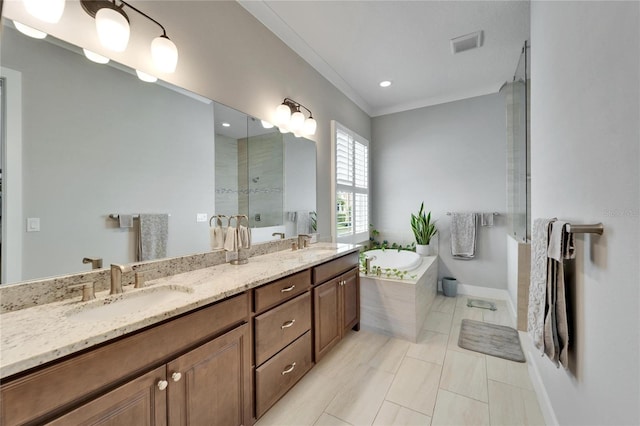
423, 250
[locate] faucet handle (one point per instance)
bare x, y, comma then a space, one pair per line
88, 290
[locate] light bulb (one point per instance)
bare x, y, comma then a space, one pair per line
310, 126
45, 10
113, 29
283, 113
93, 56
283, 129
266, 124
297, 121
147, 78
28, 31
164, 53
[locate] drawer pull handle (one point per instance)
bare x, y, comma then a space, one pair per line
288, 289
287, 324
162, 384
176, 376
289, 369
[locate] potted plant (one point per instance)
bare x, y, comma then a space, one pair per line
423, 229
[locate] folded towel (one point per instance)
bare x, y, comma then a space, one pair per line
487, 219
538, 281
125, 220
463, 235
244, 237
216, 236
153, 234
231, 239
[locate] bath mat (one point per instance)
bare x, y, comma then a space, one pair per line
491, 339
483, 304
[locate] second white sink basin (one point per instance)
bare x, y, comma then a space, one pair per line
127, 303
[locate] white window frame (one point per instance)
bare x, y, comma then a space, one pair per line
353, 238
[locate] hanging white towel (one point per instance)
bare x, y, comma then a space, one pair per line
487, 219
153, 234
538, 281
244, 235
231, 239
125, 220
463, 235
216, 235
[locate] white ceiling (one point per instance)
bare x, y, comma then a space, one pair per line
357, 44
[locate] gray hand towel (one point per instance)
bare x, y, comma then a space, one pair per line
303, 224
125, 220
153, 233
538, 283
463, 235
487, 219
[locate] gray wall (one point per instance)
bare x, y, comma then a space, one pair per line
452, 157
585, 157
154, 154
230, 57
226, 176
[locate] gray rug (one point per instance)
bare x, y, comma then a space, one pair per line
491, 339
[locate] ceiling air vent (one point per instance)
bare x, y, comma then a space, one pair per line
466, 42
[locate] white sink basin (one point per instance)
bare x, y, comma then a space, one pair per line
127, 303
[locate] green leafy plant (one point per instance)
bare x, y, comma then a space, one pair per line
313, 218
375, 244
422, 226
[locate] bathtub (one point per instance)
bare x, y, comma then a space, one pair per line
398, 307
402, 260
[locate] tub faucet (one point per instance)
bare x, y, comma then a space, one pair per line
280, 234
96, 262
303, 240
367, 264
116, 277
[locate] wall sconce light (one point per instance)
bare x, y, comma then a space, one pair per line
28, 31
112, 25
45, 10
289, 118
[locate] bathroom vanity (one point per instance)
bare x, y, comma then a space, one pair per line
221, 352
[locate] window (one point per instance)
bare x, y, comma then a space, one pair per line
351, 185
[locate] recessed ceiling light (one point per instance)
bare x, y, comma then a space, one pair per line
146, 77
93, 56
385, 83
226, 125
31, 32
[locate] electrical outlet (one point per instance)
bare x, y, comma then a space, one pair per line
33, 224
201, 217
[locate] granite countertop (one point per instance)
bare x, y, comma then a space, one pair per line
36, 335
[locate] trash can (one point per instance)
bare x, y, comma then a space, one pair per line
450, 286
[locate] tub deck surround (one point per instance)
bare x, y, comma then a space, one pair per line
395, 307
37, 335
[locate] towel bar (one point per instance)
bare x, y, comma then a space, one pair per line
595, 228
494, 213
135, 216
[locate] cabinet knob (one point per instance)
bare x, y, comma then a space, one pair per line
288, 289
176, 376
162, 384
287, 324
289, 369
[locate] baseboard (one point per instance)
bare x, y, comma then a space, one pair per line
476, 291
549, 415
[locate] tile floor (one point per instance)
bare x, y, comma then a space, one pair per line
370, 379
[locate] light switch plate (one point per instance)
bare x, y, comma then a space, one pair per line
201, 217
33, 224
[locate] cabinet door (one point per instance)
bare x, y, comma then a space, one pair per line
213, 386
350, 289
327, 317
138, 402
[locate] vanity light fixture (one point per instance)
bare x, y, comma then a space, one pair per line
28, 31
289, 118
93, 56
266, 124
112, 25
148, 78
45, 10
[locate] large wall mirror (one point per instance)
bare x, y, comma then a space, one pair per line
83, 141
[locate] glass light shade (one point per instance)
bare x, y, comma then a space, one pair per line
283, 129
283, 113
45, 10
310, 126
164, 54
28, 31
266, 124
113, 29
93, 56
296, 122
146, 77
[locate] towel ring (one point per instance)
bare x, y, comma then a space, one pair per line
218, 217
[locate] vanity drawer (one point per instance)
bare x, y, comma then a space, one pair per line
280, 326
281, 290
276, 376
322, 273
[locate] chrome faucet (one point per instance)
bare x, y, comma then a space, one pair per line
116, 277
281, 234
303, 240
367, 264
96, 262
